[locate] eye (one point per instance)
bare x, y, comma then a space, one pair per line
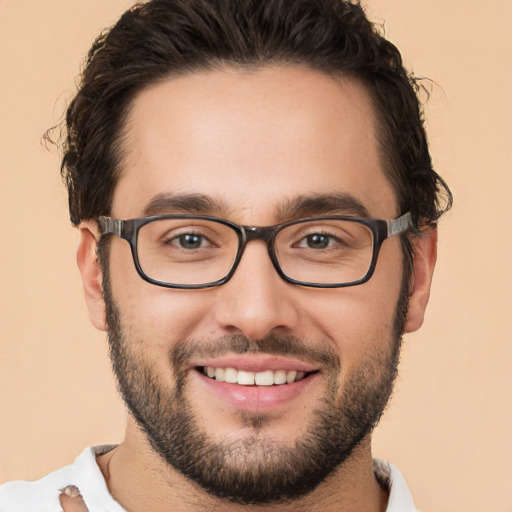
190, 241
318, 241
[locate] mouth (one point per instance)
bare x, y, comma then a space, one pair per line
267, 377
259, 383
255, 383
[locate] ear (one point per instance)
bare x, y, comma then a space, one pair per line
424, 261
90, 271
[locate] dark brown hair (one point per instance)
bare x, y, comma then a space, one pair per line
162, 38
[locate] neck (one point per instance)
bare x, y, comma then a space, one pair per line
139, 479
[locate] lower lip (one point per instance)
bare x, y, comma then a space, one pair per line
256, 398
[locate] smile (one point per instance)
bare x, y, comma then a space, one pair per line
247, 378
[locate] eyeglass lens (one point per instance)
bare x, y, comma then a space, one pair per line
199, 251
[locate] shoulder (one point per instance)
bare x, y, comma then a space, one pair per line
43, 495
38, 496
400, 499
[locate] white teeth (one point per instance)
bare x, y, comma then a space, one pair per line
290, 376
264, 378
219, 374
300, 376
243, 378
230, 375
280, 377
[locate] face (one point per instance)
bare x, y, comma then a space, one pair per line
253, 147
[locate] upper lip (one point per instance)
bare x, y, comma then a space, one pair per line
256, 363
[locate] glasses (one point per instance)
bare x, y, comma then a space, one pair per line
197, 251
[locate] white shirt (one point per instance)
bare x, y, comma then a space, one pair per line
43, 495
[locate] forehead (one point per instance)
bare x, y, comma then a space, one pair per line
252, 140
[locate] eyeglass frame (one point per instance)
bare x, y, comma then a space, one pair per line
381, 230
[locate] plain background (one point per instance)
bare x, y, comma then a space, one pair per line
449, 424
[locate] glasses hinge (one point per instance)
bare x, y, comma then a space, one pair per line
397, 226
111, 225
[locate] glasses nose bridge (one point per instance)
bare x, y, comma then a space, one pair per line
266, 233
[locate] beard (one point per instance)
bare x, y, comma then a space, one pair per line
255, 469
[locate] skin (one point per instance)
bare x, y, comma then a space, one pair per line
251, 140
71, 500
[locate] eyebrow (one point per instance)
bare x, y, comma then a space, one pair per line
306, 205
322, 204
185, 203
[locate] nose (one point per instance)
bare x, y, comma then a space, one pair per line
256, 300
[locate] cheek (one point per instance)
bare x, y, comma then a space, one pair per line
158, 316
163, 318
354, 322
358, 319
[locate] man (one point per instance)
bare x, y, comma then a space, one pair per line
257, 215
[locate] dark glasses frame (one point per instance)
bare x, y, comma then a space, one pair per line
381, 229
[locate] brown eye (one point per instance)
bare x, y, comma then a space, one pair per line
317, 241
189, 241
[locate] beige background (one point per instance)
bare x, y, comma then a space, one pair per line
448, 427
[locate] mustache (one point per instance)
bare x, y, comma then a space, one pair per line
277, 345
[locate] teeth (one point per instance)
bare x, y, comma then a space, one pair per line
280, 377
266, 378
219, 374
245, 378
290, 376
230, 375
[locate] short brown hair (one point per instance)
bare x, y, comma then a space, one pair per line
162, 38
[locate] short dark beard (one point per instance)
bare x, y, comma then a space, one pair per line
254, 470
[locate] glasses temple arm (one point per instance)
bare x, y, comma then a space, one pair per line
397, 226
109, 225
